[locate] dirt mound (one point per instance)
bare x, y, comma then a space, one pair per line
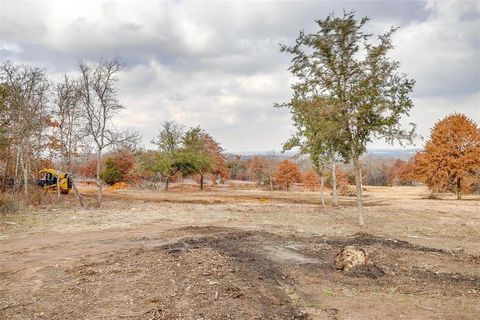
365, 239
118, 186
366, 270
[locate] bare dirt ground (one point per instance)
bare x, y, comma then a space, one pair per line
241, 254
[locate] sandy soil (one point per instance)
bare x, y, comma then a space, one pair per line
241, 254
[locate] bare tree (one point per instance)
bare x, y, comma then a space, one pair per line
4, 133
66, 115
67, 134
27, 113
99, 104
271, 161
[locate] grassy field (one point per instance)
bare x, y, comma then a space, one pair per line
241, 254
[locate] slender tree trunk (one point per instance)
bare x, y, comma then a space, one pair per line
322, 193
334, 182
16, 182
97, 177
166, 183
17, 162
358, 185
25, 175
201, 182
5, 174
79, 196
434, 194
271, 183
58, 185
68, 162
459, 188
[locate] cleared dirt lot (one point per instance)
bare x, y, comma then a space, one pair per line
242, 254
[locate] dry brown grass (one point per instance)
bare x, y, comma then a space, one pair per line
280, 246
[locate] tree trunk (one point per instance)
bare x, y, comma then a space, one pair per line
97, 177
166, 183
459, 188
322, 193
334, 182
79, 196
68, 163
25, 175
58, 185
5, 174
358, 186
271, 183
201, 182
16, 181
434, 194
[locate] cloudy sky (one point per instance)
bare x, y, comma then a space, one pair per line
218, 65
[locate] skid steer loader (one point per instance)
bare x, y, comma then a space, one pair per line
52, 178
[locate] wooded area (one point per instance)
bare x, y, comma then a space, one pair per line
339, 104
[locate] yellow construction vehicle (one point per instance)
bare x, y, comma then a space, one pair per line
49, 180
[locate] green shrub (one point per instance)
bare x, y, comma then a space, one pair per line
111, 174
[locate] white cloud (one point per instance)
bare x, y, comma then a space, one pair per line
442, 52
218, 65
11, 47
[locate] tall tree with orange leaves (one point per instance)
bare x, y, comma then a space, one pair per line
451, 155
257, 168
220, 167
287, 173
311, 180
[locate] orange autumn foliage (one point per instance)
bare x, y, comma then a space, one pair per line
451, 156
220, 167
400, 173
311, 180
88, 169
342, 178
257, 167
406, 174
287, 173
124, 160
